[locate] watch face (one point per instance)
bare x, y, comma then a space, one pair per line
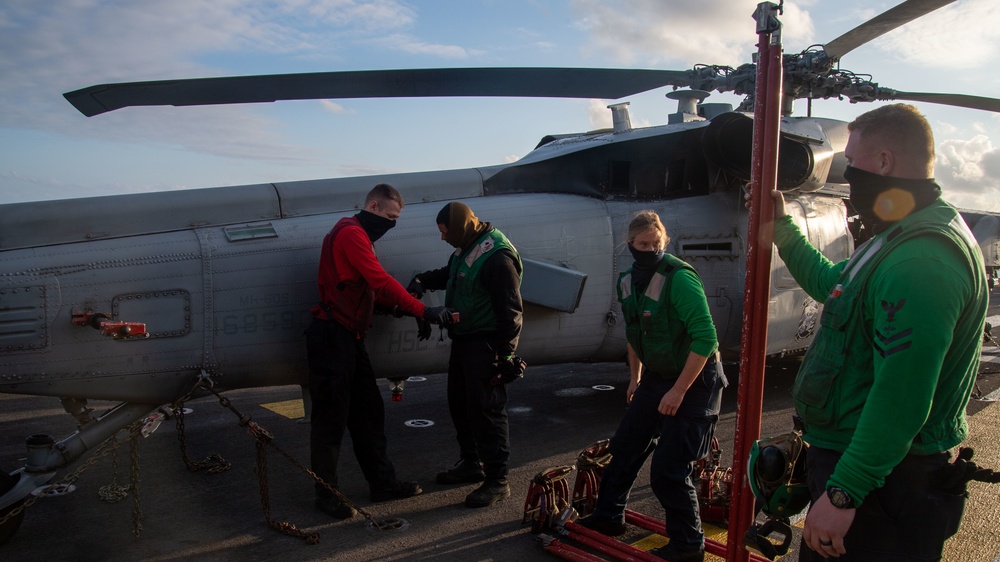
839, 498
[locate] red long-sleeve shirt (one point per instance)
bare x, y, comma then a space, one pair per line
352, 281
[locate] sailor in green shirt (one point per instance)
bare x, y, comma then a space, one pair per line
882, 389
674, 394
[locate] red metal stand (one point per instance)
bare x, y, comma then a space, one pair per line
764, 168
562, 550
607, 545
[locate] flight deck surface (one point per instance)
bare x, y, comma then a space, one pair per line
554, 413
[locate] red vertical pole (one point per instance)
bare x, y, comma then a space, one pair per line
753, 343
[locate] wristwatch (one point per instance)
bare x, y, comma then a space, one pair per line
839, 498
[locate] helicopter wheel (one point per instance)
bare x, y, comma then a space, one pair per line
10, 526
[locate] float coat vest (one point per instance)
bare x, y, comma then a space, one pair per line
659, 338
829, 389
465, 293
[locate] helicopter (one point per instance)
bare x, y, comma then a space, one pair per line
139, 298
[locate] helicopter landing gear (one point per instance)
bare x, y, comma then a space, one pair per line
9, 525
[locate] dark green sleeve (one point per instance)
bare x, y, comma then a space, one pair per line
811, 269
687, 295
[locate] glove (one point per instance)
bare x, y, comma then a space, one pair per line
954, 477
509, 370
415, 287
438, 315
423, 329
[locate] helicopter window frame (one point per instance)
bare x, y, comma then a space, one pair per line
620, 177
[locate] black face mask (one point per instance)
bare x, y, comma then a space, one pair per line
645, 259
374, 225
884, 200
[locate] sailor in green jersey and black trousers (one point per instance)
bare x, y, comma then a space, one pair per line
674, 393
482, 282
882, 389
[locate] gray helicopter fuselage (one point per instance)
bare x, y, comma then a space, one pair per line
224, 278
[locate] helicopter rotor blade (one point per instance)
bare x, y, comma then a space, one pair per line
958, 100
880, 25
597, 83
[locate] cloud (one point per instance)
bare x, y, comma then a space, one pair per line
414, 46
598, 114
371, 14
960, 36
962, 160
334, 107
652, 32
62, 45
531, 38
969, 172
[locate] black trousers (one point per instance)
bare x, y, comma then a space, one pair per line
676, 443
345, 396
906, 519
478, 409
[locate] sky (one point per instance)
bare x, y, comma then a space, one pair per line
50, 151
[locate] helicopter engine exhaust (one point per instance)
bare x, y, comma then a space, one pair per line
807, 150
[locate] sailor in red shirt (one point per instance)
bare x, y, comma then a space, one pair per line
341, 380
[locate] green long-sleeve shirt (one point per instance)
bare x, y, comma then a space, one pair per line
894, 361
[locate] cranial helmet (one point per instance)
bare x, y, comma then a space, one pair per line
777, 474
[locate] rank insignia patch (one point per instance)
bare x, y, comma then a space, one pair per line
891, 308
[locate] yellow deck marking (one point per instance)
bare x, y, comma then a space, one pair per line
650, 542
291, 409
654, 540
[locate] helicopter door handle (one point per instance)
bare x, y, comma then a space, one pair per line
114, 329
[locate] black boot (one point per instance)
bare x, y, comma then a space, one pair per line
395, 490
333, 507
463, 472
488, 494
609, 527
